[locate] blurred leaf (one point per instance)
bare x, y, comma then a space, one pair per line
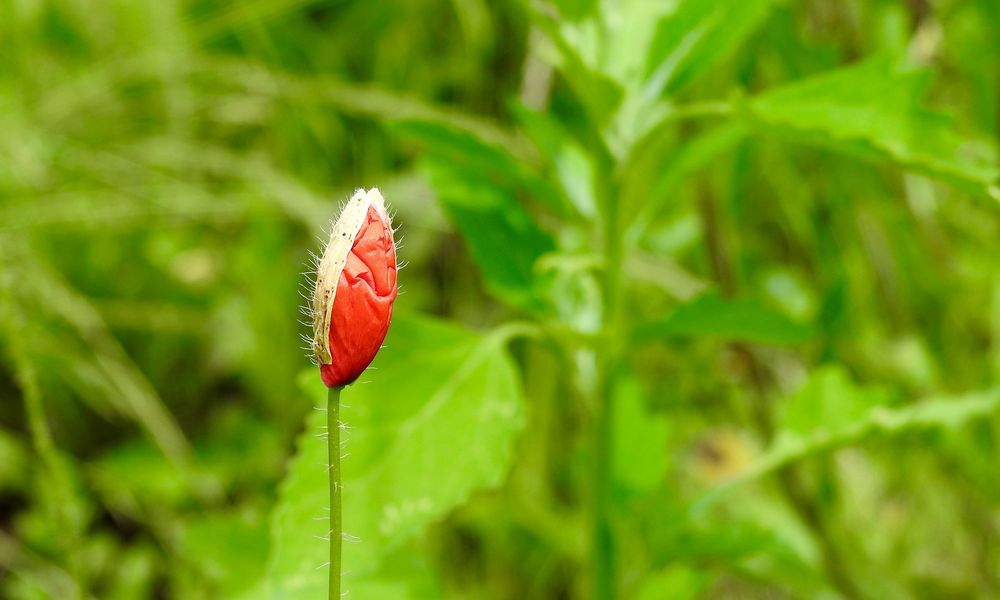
135, 480
402, 574
489, 162
14, 461
134, 477
502, 237
639, 455
133, 571
661, 163
573, 166
572, 289
744, 319
676, 582
34, 283
755, 543
29, 575
874, 110
576, 9
854, 424
696, 36
676, 538
367, 101
433, 422
244, 14
597, 91
828, 401
230, 549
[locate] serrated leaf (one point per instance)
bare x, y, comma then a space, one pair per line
744, 319
874, 110
434, 421
502, 237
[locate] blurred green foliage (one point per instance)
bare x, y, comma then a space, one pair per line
703, 298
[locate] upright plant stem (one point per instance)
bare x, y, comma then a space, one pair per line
333, 447
44, 445
607, 353
603, 548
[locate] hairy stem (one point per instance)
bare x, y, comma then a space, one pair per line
336, 527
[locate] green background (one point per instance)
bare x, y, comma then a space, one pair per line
702, 298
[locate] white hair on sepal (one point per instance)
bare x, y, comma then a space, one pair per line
312, 262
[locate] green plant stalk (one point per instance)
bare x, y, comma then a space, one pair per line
603, 541
607, 352
41, 437
336, 526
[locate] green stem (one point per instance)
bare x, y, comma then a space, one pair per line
333, 447
603, 540
41, 437
606, 352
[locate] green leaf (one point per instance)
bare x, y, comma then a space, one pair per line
14, 462
809, 437
595, 85
502, 237
65, 327
228, 549
677, 582
744, 319
874, 110
492, 163
828, 401
566, 157
697, 36
401, 575
661, 163
367, 101
433, 422
639, 454
576, 9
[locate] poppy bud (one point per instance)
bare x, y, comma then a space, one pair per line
355, 289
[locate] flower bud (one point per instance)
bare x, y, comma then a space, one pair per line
355, 289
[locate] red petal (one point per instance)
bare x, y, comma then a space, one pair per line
362, 307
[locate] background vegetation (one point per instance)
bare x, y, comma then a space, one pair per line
703, 298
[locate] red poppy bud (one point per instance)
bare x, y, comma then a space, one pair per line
355, 289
